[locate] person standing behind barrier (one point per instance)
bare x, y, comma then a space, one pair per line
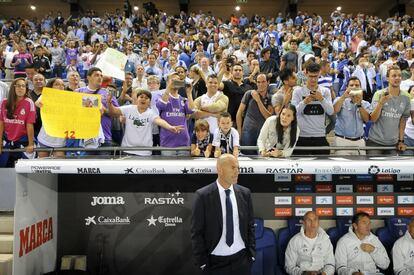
390, 110
201, 140
402, 252
222, 224
226, 139
351, 114
283, 96
17, 116
312, 103
409, 127
174, 109
254, 109
279, 134
310, 252
359, 251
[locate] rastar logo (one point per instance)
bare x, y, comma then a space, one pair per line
107, 201
89, 171
173, 199
35, 235
293, 169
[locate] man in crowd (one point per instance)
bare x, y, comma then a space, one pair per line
283, 97
403, 252
310, 251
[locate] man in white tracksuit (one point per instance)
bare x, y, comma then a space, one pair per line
359, 251
310, 252
403, 252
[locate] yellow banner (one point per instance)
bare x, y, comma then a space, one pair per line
70, 114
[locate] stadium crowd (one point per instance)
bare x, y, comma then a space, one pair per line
215, 84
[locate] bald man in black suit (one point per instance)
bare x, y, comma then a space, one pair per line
222, 228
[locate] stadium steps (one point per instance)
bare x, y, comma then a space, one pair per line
6, 243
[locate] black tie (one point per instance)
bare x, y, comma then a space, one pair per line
229, 219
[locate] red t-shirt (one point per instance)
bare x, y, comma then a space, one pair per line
25, 113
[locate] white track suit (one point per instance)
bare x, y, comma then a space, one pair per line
350, 258
403, 255
304, 255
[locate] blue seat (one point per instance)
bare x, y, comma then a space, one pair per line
284, 236
265, 249
342, 225
394, 228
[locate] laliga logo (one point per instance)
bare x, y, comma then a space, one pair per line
373, 170
107, 201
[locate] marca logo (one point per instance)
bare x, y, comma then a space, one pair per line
242, 170
344, 211
303, 178
35, 235
164, 220
101, 220
283, 212
385, 177
173, 199
324, 200
303, 188
365, 199
369, 210
385, 200
146, 171
44, 169
344, 200
283, 178
385, 188
303, 200
342, 188
89, 171
283, 200
107, 201
323, 177
364, 177
405, 199
385, 211
324, 212
405, 177
324, 188
365, 188
302, 211
406, 211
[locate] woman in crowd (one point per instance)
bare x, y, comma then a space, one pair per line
44, 140
17, 115
199, 83
279, 134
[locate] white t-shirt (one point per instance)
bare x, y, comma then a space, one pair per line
405, 85
409, 127
206, 101
138, 128
50, 141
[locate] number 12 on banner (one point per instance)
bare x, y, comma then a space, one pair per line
70, 134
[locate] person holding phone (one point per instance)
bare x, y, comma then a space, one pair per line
351, 114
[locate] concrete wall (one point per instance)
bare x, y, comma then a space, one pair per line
7, 189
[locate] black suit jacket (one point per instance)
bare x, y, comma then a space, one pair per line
207, 221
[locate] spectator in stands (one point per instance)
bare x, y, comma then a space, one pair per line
152, 68
235, 87
390, 110
226, 138
402, 252
201, 140
312, 103
20, 61
352, 112
39, 82
174, 109
406, 84
126, 93
291, 59
254, 109
17, 116
94, 86
210, 105
366, 74
73, 81
198, 81
43, 139
279, 134
359, 251
4, 90
269, 66
141, 80
41, 62
58, 58
283, 96
139, 120
310, 252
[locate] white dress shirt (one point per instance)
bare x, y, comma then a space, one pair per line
222, 249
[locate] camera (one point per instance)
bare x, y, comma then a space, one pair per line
229, 63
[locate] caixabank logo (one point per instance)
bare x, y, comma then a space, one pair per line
102, 220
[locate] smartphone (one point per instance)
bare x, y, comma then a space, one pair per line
355, 92
178, 84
